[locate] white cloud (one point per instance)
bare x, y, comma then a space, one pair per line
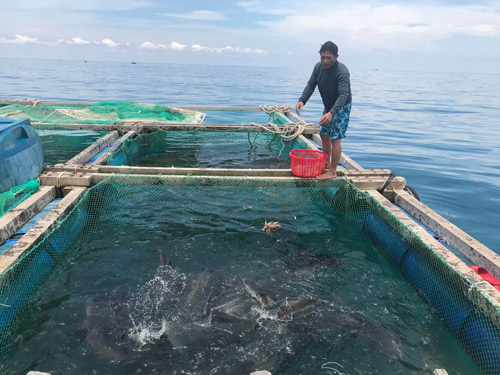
406, 27
109, 43
173, 46
177, 46
226, 49
94, 5
200, 15
79, 41
21, 39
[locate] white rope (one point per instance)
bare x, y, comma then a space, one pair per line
46, 117
59, 179
284, 109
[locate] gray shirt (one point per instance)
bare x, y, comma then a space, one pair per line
334, 86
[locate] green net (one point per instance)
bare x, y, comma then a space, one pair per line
11, 198
46, 116
207, 149
229, 231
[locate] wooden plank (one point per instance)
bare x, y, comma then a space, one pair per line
58, 168
219, 109
32, 102
103, 159
89, 179
471, 248
61, 179
149, 126
96, 147
345, 160
38, 232
489, 304
20, 215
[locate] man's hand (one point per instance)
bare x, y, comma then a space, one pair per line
326, 118
298, 107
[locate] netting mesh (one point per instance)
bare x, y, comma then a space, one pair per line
11, 198
206, 148
461, 305
49, 116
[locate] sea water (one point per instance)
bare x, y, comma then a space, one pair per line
164, 286
438, 130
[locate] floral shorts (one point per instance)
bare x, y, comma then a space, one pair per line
337, 127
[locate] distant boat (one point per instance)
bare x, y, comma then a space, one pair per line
133, 62
84, 60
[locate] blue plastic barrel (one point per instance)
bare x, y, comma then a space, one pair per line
453, 307
385, 239
21, 153
481, 338
63, 237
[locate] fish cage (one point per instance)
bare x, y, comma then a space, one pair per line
226, 270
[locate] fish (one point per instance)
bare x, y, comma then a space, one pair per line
293, 308
304, 263
261, 297
106, 325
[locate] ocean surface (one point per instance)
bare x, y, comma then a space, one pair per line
438, 130
441, 131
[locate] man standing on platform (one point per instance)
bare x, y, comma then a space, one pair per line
332, 79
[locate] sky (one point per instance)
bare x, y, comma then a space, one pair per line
439, 35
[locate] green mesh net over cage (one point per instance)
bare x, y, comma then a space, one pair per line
161, 271
11, 198
205, 148
46, 116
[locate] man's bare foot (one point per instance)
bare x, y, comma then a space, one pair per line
327, 175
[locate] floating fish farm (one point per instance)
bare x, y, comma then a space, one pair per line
152, 239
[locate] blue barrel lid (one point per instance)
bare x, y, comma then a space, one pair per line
8, 122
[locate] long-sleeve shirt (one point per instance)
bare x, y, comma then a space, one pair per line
334, 86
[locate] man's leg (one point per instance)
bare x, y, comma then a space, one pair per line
326, 143
335, 147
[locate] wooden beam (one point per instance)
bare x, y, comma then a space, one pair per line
124, 169
89, 179
104, 157
96, 147
148, 126
22, 213
471, 248
32, 102
38, 232
489, 304
219, 109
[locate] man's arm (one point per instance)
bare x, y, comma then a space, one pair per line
343, 89
309, 89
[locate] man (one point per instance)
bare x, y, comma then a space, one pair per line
332, 79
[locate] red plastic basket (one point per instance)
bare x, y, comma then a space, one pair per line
307, 163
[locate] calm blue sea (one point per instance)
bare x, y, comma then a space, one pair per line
441, 131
